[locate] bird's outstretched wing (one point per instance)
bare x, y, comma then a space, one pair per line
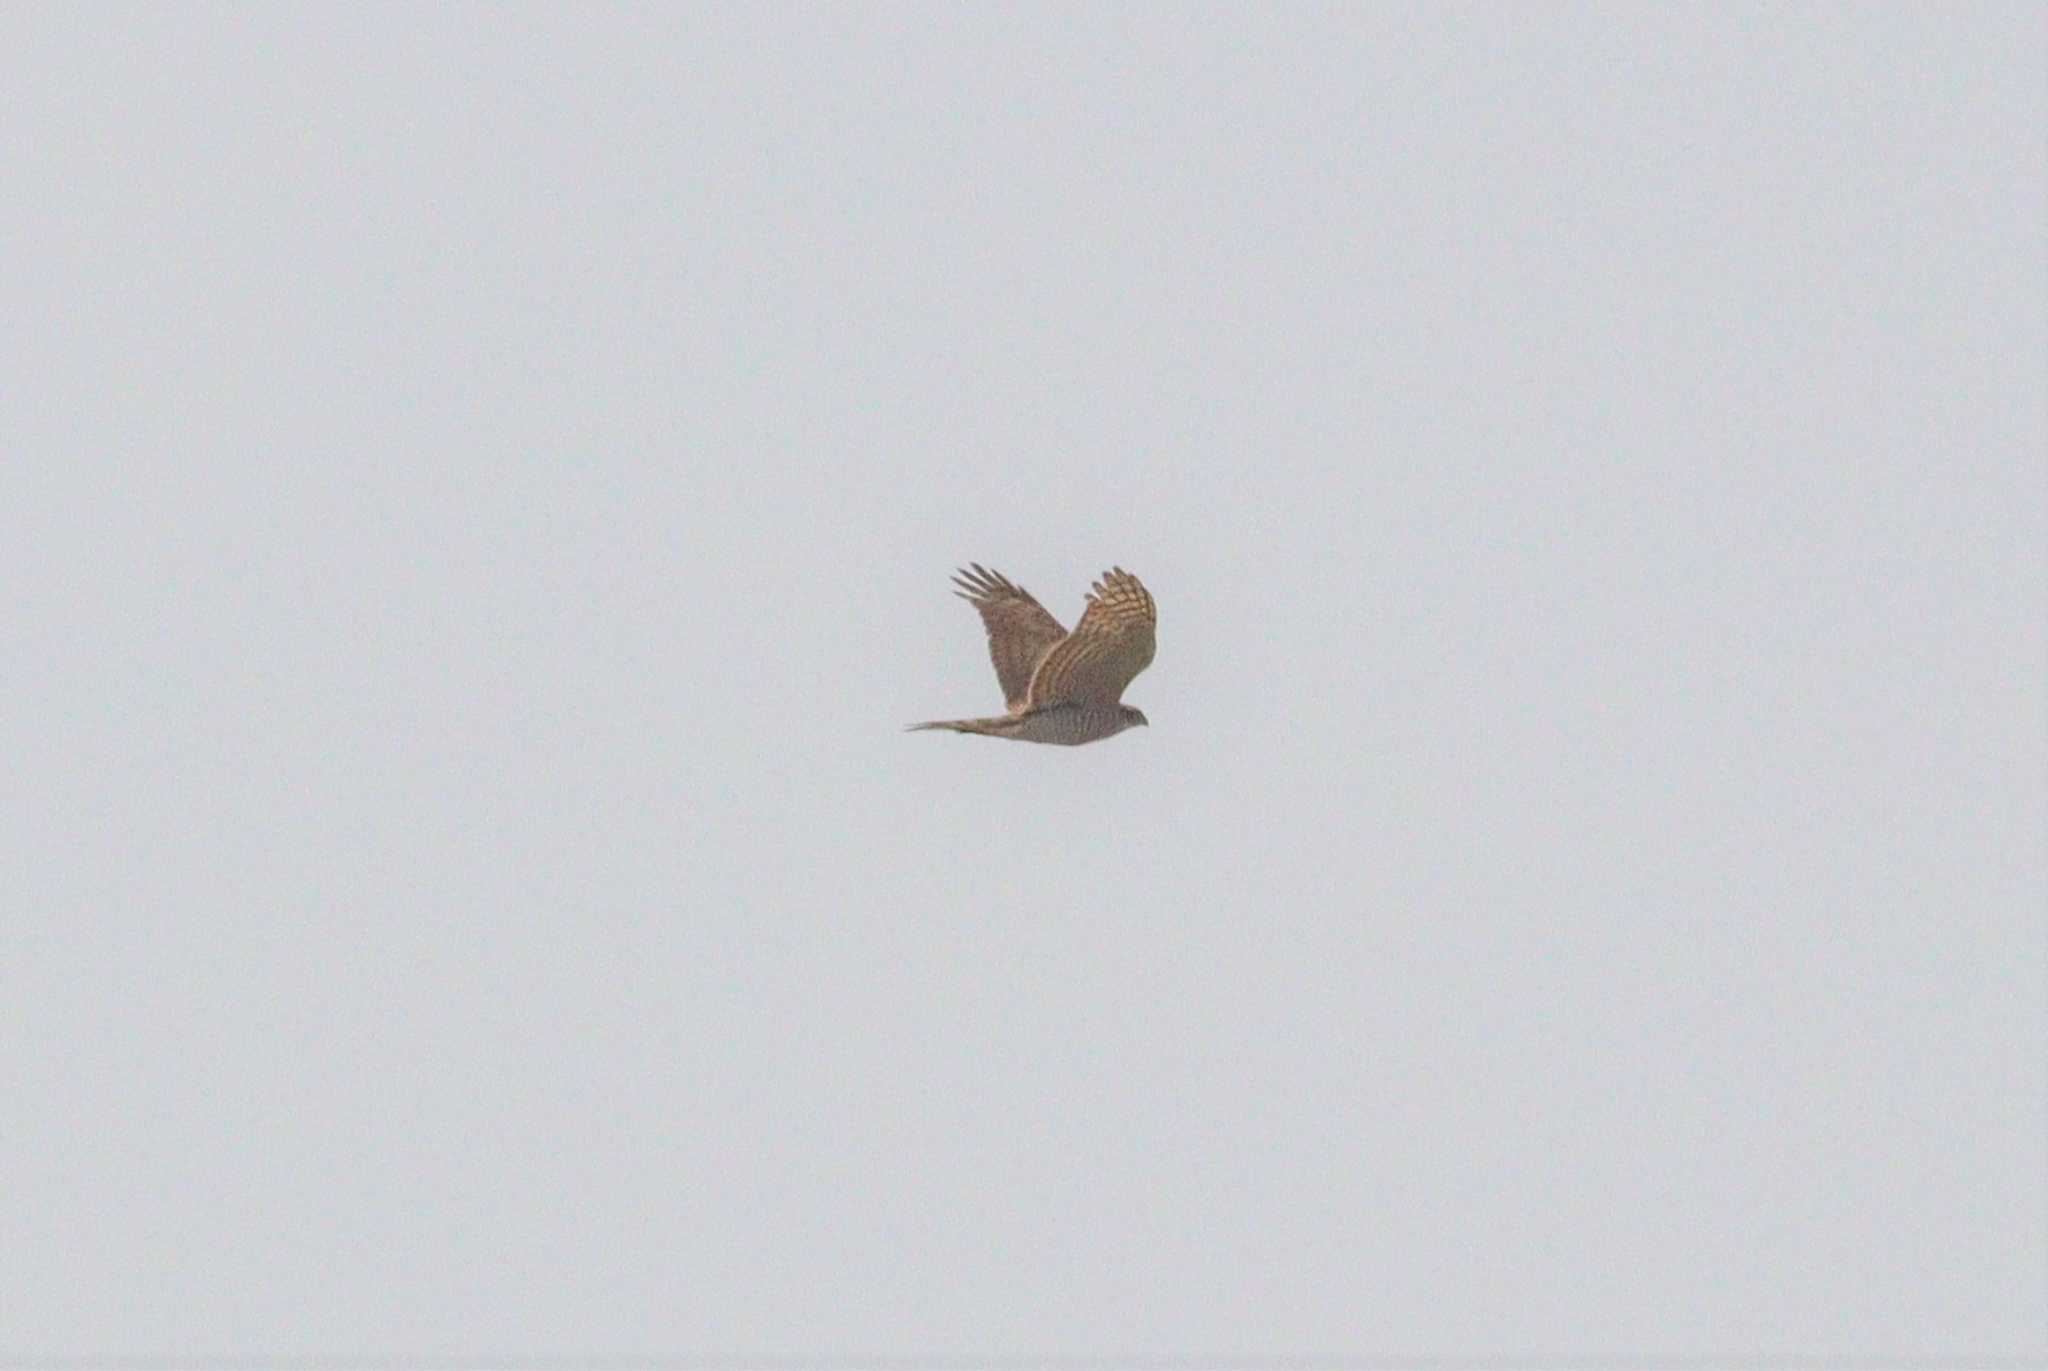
1019, 629
1112, 643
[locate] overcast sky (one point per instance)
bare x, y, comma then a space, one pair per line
477, 492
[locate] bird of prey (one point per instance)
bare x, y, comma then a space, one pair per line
1061, 687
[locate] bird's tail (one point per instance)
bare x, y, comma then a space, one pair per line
995, 728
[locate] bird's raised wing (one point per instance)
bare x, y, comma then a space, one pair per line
1112, 643
1019, 629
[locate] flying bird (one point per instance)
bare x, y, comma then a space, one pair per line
1060, 687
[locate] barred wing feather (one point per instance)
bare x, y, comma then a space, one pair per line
1112, 643
1020, 631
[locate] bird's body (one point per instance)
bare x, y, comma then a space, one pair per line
1063, 688
1066, 725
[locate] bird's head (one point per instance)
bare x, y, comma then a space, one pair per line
1134, 717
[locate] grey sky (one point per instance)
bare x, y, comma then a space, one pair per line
478, 496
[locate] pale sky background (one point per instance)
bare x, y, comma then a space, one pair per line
477, 491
